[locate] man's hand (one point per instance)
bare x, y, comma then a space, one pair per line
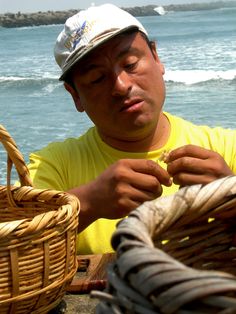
119, 189
191, 164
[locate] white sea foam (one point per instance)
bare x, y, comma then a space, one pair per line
11, 78
190, 77
187, 77
45, 77
160, 10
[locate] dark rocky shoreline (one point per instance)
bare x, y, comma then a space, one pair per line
10, 20
19, 19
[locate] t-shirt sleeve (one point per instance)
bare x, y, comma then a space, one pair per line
46, 169
224, 142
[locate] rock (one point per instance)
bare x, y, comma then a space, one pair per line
35, 19
58, 17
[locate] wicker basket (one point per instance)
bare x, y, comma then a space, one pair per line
176, 255
37, 241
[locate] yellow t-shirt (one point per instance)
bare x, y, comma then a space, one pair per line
76, 161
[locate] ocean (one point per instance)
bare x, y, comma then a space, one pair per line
198, 49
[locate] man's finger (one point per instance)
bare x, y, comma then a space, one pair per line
189, 151
152, 168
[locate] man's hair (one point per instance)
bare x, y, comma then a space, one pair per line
69, 77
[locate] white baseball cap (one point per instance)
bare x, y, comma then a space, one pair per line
88, 29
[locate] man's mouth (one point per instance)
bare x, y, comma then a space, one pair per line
132, 105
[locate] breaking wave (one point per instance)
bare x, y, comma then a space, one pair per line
187, 77
190, 77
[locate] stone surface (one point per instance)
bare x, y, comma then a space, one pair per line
75, 304
80, 303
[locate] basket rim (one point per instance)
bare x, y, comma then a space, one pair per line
66, 206
179, 209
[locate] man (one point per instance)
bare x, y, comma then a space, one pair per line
114, 74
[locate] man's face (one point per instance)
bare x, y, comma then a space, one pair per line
121, 88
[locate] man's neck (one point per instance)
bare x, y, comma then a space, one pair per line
152, 141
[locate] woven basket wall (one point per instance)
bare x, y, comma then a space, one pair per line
37, 241
176, 254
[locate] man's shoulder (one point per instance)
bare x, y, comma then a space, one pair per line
185, 132
183, 122
67, 145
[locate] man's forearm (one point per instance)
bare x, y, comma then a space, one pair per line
86, 214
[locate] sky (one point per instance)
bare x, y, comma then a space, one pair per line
26, 6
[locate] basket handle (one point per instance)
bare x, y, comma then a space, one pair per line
14, 157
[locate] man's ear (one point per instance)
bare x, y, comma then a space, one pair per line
75, 96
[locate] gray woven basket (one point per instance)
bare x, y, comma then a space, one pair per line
176, 255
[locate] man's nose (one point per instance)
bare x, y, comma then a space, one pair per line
121, 83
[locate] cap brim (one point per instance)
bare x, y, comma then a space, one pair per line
76, 56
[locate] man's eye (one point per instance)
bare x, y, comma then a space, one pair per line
131, 66
98, 80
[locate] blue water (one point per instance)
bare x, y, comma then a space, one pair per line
198, 49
